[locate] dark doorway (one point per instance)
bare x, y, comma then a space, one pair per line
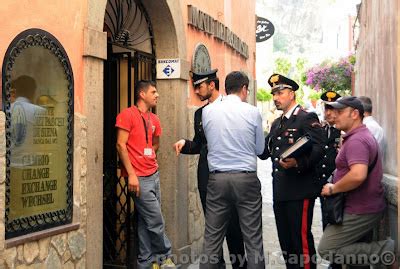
128, 30
121, 70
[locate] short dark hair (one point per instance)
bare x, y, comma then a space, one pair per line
326, 106
142, 85
367, 103
216, 82
24, 86
234, 82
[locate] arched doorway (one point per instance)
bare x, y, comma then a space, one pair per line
130, 57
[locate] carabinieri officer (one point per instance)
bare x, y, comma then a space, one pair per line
295, 181
327, 164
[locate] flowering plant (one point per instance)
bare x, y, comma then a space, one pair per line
335, 76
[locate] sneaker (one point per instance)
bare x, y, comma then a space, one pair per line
168, 263
155, 266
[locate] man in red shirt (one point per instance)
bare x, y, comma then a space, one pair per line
138, 138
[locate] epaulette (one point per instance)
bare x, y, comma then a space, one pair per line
297, 110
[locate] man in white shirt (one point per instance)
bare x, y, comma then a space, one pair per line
372, 125
235, 137
206, 86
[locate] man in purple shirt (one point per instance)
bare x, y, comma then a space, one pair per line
359, 174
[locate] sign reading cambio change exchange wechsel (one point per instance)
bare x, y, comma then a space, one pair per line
38, 136
38, 92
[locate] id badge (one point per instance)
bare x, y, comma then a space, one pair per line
148, 151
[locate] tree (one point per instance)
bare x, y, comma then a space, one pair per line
263, 95
314, 95
282, 66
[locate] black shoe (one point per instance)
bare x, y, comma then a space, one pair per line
335, 266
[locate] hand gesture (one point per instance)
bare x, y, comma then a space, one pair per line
179, 145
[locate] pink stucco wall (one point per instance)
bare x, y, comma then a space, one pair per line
63, 19
239, 16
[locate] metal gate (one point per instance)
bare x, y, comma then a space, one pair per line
121, 71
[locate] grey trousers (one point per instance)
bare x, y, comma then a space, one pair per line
339, 242
242, 190
153, 243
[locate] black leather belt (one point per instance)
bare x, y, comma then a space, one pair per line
231, 172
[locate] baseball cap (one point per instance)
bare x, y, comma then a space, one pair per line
348, 101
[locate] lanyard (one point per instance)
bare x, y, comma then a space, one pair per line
146, 126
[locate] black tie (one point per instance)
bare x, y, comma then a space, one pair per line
329, 131
283, 122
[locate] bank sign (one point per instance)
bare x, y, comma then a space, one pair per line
168, 68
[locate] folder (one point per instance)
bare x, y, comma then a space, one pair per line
302, 145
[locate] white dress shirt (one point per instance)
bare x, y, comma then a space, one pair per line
234, 135
376, 130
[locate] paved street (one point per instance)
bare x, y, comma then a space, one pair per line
271, 243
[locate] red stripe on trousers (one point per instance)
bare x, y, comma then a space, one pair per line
304, 234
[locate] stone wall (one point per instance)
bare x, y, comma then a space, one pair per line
376, 76
61, 251
376, 68
196, 217
59, 247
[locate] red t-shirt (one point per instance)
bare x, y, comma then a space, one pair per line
131, 120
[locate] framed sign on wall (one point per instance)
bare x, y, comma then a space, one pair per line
37, 99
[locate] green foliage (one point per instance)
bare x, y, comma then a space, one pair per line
314, 95
300, 64
352, 59
282, 66
300, 96
295, 71
263, 95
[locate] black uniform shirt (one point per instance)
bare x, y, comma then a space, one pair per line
199, 146
327, 164
299, 182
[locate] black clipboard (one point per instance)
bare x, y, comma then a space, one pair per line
301, 145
